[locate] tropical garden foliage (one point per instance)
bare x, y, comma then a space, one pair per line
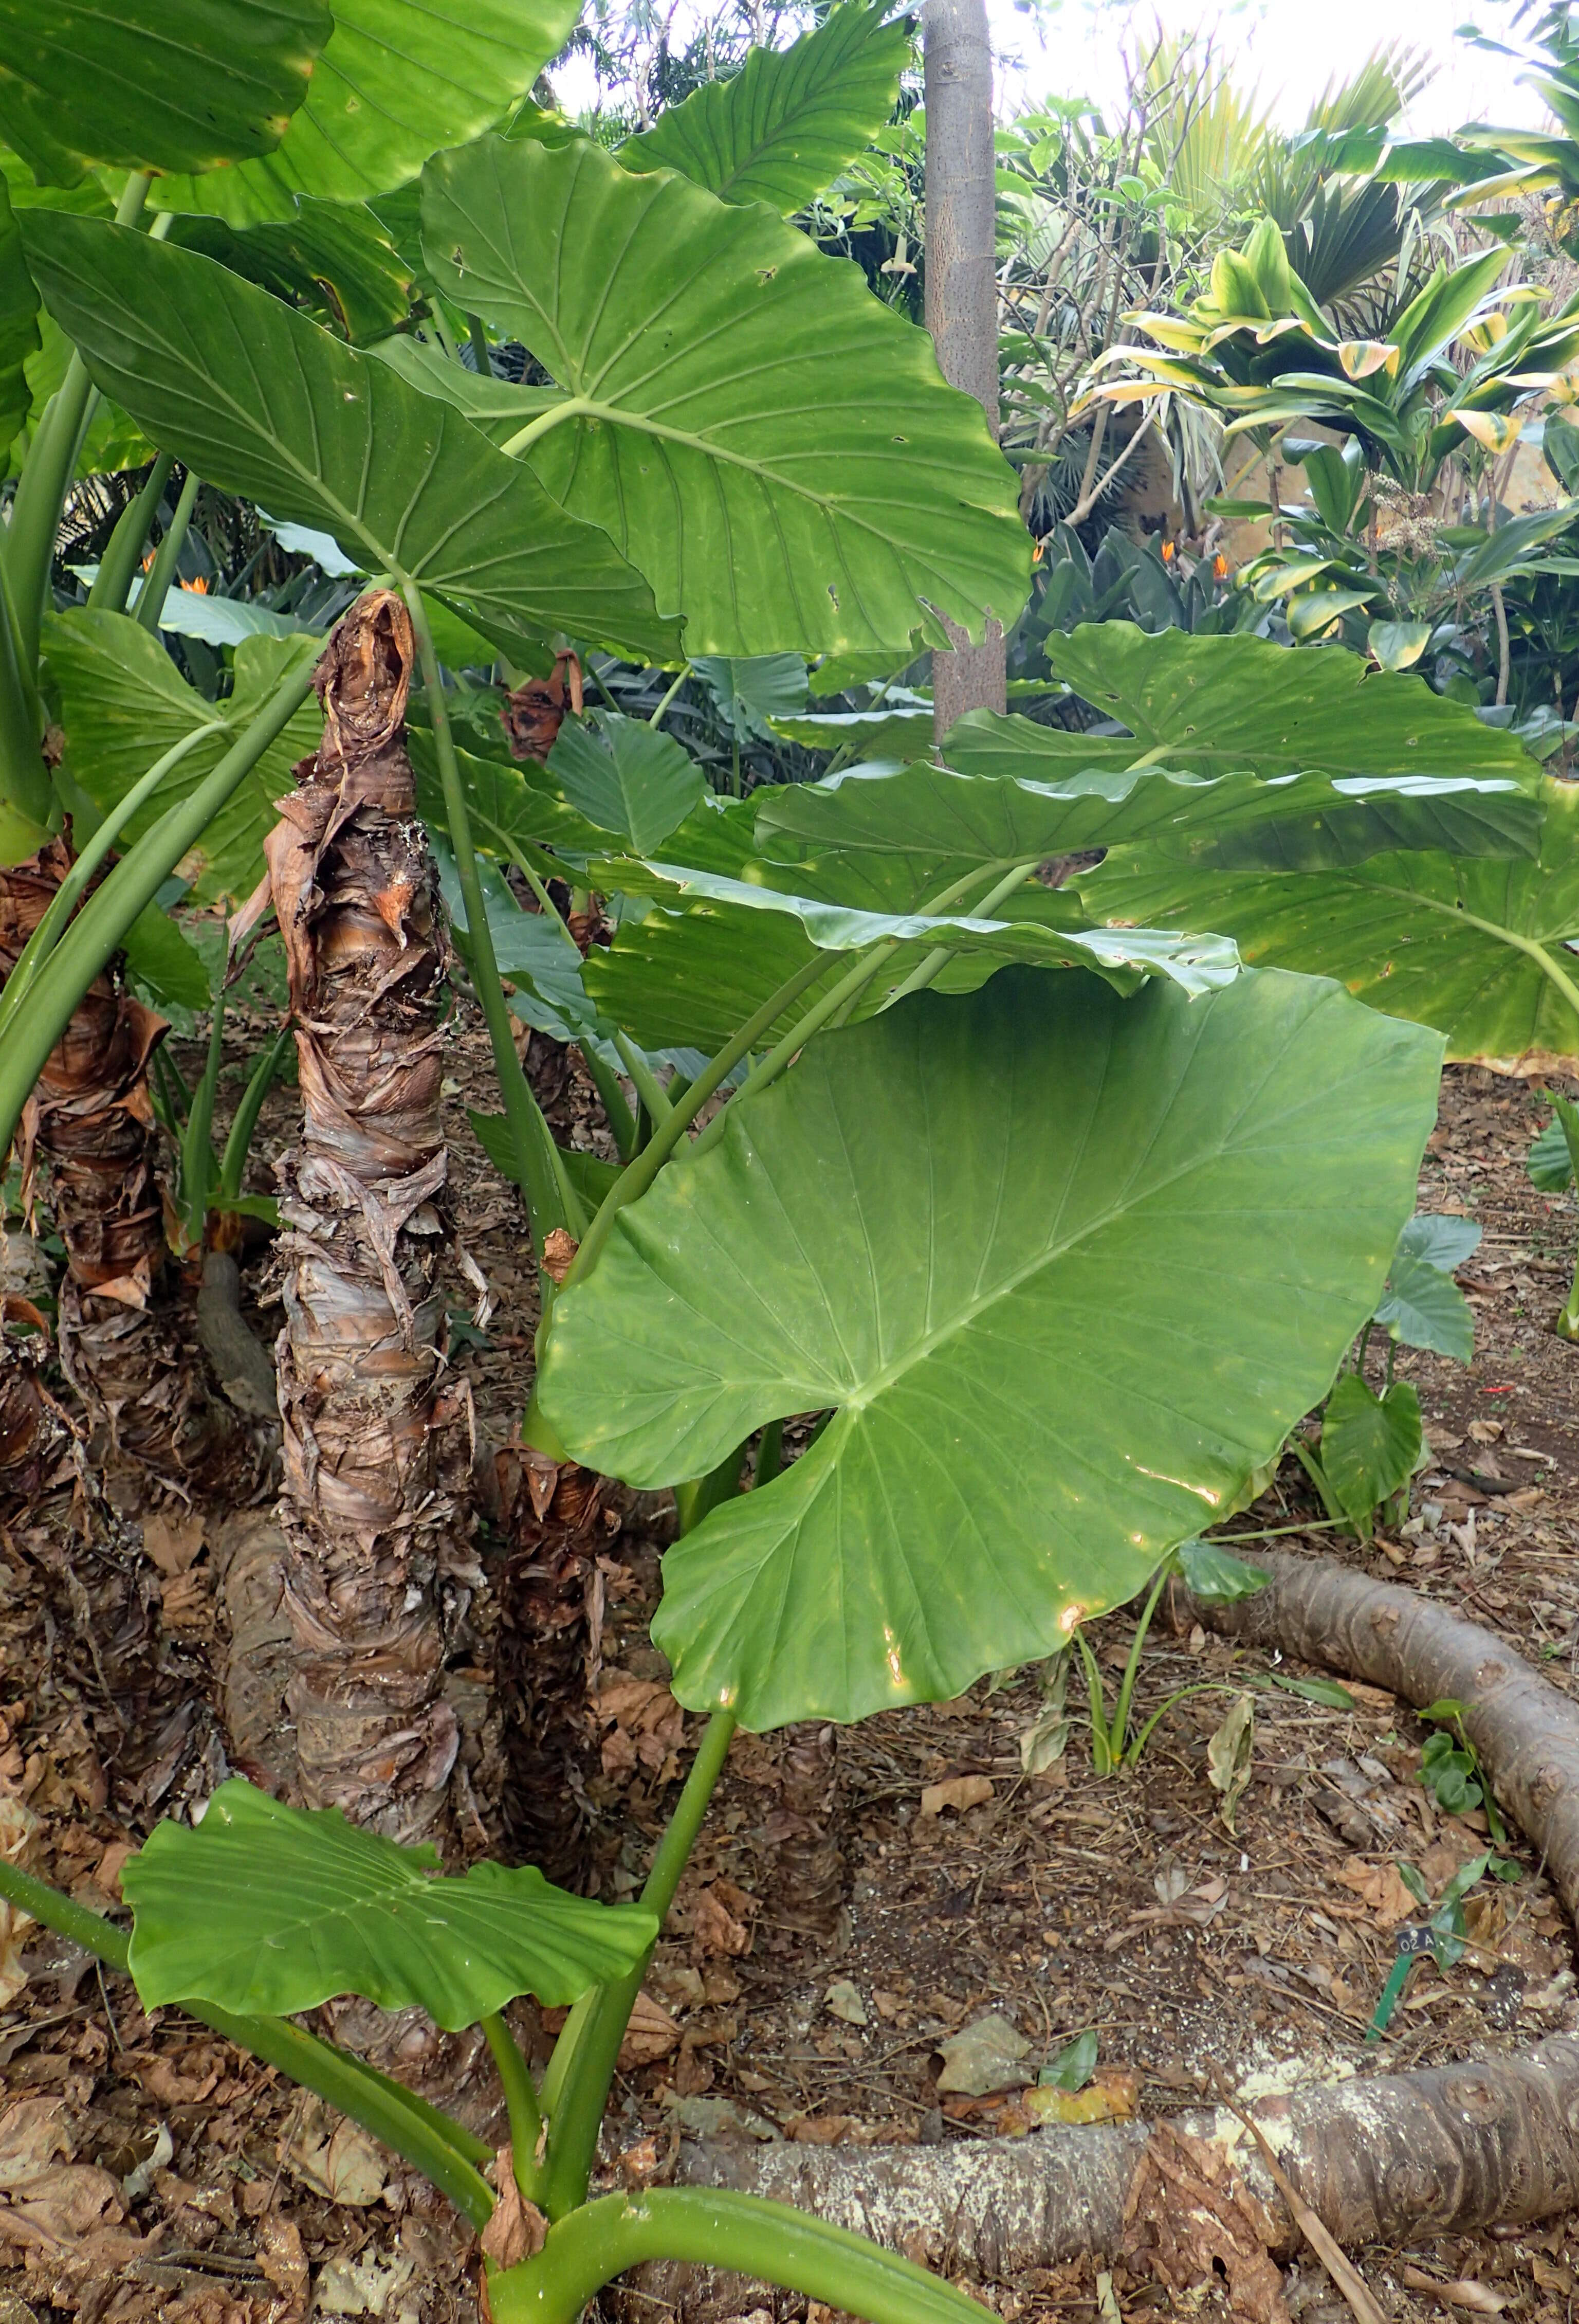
1037, 1117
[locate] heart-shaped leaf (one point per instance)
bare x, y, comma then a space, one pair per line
1425, 1309
1480, 950
781, 129
270, 1908
1214, 1574
923, 825
771, 445
1218, 704
1550, 1164
626, 776
396, 80
1441, 1241
1369, 1444
123, 705
262, 401
1197, 964
188, 85
976, 1232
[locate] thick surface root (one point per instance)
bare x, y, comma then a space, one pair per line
1389, 2158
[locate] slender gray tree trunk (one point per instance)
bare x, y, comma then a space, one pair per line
961, 282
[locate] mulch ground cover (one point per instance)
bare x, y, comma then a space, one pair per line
147, 2169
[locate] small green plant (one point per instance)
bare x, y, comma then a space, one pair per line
1442, 1933
1371, 1441
208, 1185
1451, 1769
1552, 1164
1214, 1575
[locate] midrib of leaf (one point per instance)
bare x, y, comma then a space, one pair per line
1531, 946
827, 505
864, 1395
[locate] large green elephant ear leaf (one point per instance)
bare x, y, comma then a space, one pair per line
262, 401
275, 1908
781, 129
19, 326
626, 776
123, 705
397, 79
1482, 951
1216, 704
921, 825
772, 447
190, 85
976, 1231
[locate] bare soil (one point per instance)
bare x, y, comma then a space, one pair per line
146, 2168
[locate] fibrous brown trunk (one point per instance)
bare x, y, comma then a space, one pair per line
550, 1600
808, 1878
127, 1335
961, 284
369, 1512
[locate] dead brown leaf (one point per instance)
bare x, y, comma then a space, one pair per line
1192, 2221
1380, 1887
714, 1928
651, 2034
173, 1543
1459, 2292
280, 2256
958, 1791
517, 2229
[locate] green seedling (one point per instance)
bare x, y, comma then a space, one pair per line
1553, 1161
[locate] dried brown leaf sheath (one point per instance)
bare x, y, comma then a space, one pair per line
127, 1341
368, 1515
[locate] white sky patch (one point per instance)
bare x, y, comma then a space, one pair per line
1073, 47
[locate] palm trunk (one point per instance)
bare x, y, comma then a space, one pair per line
962, 283
127, 1336
550, 1595
809, 1870
370, 1516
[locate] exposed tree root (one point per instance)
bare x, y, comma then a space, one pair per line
1526, 1731
1389, 2158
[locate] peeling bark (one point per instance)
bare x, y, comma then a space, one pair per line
374, 1452
550, 1617
1387, 2160
126, 1337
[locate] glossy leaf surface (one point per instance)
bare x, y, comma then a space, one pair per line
625, 777
1216, 704
18, 326
190, 85
781, 129
772, 447
273, 1908
1425, 1309
977, 1230
397, 79
263, 402
922, 825
1478, 949
123, 705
